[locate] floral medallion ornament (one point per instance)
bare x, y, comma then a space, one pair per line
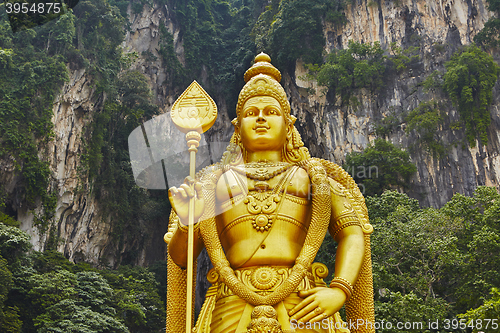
264, 278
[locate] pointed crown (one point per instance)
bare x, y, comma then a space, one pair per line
262, 79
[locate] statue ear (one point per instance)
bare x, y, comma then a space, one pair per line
234, 122
292, 119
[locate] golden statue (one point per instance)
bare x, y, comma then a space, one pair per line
262, 213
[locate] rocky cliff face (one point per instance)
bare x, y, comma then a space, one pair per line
329, 130
437, 28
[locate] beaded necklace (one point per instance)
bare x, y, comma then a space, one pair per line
262, 173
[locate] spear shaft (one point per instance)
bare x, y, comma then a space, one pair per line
194, 112
193, 140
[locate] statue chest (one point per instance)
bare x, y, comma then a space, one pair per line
262, 226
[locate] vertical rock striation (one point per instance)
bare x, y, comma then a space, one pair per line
437, 28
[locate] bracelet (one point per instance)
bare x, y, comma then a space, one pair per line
344, 285
185, 228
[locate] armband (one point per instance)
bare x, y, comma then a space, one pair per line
344, 222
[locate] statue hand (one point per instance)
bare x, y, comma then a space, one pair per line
318, 303
179, 199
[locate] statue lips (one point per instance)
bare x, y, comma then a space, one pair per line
261, 129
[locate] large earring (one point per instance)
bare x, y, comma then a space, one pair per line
236, 135
289, 141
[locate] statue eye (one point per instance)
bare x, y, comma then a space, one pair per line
249, 113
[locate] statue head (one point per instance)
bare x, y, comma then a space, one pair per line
262, 86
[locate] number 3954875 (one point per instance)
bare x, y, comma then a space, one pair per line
33, 8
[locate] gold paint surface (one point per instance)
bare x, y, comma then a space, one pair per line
194, 110
267, 208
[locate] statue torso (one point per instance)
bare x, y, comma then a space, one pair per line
263, 222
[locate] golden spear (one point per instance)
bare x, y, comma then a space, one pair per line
194, 112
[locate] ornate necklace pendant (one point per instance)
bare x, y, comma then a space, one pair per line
262, 174
262, 209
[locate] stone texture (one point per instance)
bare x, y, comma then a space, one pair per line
438, 28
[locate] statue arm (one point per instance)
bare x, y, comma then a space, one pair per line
179, 198
177, 246
345, 228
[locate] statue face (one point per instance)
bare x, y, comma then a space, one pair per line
262, 124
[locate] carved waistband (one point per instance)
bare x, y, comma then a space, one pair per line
266, 279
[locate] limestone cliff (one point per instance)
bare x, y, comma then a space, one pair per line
329, 130
437, 28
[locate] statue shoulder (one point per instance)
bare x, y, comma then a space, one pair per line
228, 186
337, 188
299, 184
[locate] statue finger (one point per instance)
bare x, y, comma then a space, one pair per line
317, 312
304, 310
299, 306
172, 192
181, 193
198, 188
188, 189
305, 293
319, 317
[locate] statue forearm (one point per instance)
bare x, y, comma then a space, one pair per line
177, 247
350, 253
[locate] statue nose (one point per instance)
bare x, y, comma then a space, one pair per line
261, 116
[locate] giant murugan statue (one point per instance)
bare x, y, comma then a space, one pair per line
262, 213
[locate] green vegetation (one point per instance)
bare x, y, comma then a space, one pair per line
435, 263
425, 120
32, 70
379, 167
432, 82
489, 35
403, 57
387, 124
293, 29
358, 66
44, 292
469, 80
484, 313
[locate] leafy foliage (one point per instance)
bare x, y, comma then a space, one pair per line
425, 120
409, 308
387, 124
469, 80
432, 82
44, 292
489, 35
403, 57
67, 316
380, 166
361, 65
490, 309
13, 242
296, 29
435, 264
30, 77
